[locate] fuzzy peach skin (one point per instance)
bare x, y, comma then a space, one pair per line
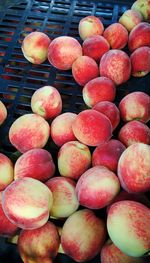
140, 62
65, 200
128, 227
84, 69
6, 171
115, 64
98, 89
95, 47
92, 128
133, 132
108, 154
83, 235
3, 112
28, 132
39, 245
110, 110
134, 168
135, 106
130, 18
46, 102
116, 35
36, 163
35, 47
90, 26
63, 51
74, 158
139, 36
143, 6
27, 202
61, 128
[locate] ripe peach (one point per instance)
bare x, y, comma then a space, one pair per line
6, 171
90, 26
134, 131
110, 110
63, 51
36, 163
74, 158
61, 128
135, 106
143, 6
128, 227
134, 168
83, 235
65, 201
95, 47
28, 132
98, 89
46, 102
26, 203
3, 112
130, 18
140, 62
108, 154
92, 127
115, 64
35, 47
84, 69
116, 35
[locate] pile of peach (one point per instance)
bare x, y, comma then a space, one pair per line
93, 170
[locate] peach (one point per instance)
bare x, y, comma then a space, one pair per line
143, 6
133, 132
35, 47
116, 35
65, 201
27, 202
115, 64
46, 102
83, 235
108, 154
3, 112
95, 47
6, 171
110, 110
90, 26
128, 227
134, 168
130, 18
39, 245
98, 89
63, 51
84, 69
97, 187
28, 132
61, 128
135, 106
92, 127
139, 36
140, 62
74, 158
36, 163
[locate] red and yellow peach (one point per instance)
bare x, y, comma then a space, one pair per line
130, 18
140, 62
6, 171
3, 112
143, 6
90, 26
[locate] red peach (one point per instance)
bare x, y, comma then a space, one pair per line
108, 154
3, 112
61, 128
116, 35
6, 171
90, 26
115, 64
28, 132
130, 18
98, 89
92, 127
95, 47
35, 47
84, 69
135, 106
133, 132
140, 62
63, 51
46, 102
74, 158
143, 6
36, 163
110, 110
